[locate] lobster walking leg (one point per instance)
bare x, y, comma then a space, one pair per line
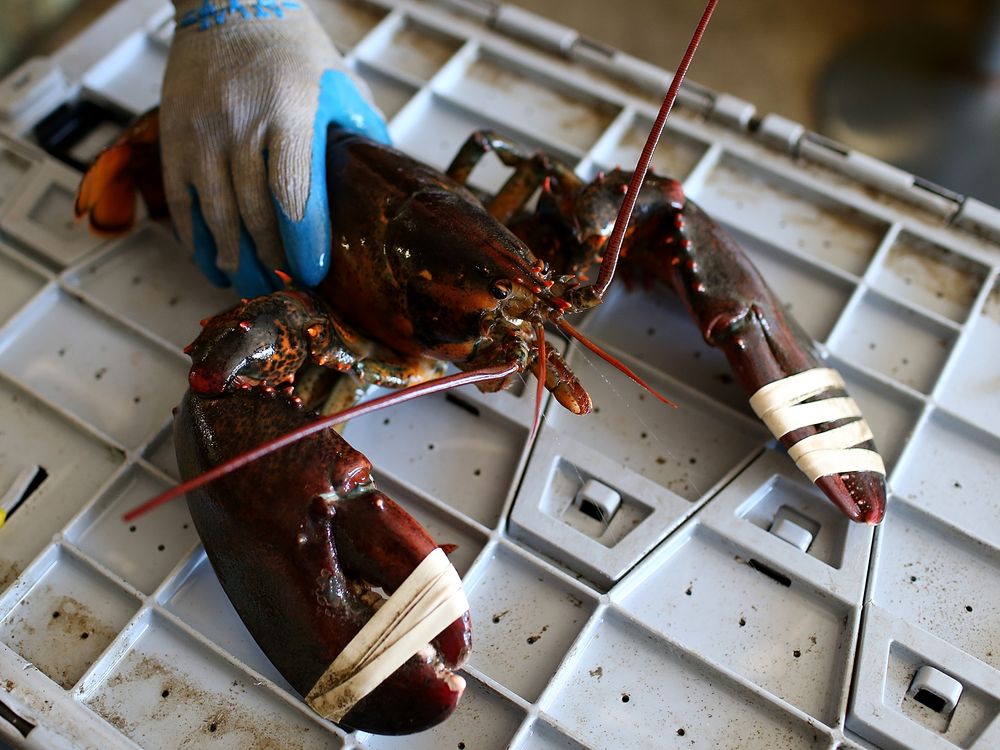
530, 171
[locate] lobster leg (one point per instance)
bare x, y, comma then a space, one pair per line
530, 171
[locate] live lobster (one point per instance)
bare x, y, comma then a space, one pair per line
424, 275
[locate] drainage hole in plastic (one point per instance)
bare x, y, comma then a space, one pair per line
681, 732
626, 697
934, 702
19, 723
769, 572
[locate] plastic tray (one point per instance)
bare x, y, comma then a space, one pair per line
684, 621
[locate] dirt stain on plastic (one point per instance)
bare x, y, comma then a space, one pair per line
202, 712
941, 273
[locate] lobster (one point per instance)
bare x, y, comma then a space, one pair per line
425, 274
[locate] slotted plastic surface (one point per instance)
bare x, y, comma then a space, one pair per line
683, 621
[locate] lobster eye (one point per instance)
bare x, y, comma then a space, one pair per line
501, 288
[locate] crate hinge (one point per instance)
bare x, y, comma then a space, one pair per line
885, 177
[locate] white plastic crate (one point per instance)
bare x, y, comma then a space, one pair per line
694, 617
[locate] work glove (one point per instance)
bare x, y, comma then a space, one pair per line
250, 88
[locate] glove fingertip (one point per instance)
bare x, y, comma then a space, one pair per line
252, 278
204, 245
307, 242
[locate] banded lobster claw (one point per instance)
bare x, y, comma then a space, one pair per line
300, 542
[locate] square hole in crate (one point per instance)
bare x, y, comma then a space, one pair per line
152, 280
789, 215
894, 340
559, 501
526, 619
960, 727
467, 460
713, 599
41, 216
532, 101
169, 691
67, 617
410, 47
347, 21
931, 576
90, 364
197, 597
144, 550
890, 413
687, 450
18, 284
627, 688
812, 295
390, 94
829, 526
953, 470
675, 156
972, 388
75, 465
931, 276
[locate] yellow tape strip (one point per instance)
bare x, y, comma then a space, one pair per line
428, 601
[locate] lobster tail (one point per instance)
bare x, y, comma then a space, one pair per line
107, 193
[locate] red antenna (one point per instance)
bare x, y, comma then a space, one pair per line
614, 246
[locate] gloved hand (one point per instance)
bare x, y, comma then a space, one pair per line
250, 88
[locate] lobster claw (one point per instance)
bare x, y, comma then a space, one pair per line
302, 541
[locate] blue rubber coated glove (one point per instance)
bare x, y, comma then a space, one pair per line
249, 91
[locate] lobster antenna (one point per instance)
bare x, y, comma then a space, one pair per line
540, 388
317, 425
614, 246
621, 366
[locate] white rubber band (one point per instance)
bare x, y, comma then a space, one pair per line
832, 452
780, 405
845, 436
794, 389
783, 420
427, 602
